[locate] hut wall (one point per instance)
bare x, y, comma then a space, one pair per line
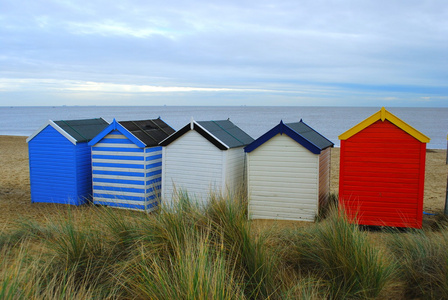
235, 169
125, 175
191, 164
57, 169
382, 176
324, 176
283, 181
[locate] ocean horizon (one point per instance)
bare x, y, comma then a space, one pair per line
255, 120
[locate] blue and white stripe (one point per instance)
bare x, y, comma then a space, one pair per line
125, 175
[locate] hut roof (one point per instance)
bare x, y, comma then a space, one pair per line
300, 132
222, 133
144, 133
382, 115
77, 131
150, 132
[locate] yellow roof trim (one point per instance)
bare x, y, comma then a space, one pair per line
382, 115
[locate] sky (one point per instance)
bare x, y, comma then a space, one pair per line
232, 52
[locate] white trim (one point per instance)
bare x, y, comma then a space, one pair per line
57, 128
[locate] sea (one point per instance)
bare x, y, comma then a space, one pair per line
255, 120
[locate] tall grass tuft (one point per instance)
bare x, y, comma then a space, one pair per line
423, 262
254, 261
197, 270
341, 255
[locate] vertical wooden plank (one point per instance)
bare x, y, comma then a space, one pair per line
421, 184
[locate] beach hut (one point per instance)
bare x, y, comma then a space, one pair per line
127, 163
382, 172
203, 157
288, 173
60, 161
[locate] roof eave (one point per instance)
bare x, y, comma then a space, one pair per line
57, 128
193, 125
282, 128
383, 115
117, 126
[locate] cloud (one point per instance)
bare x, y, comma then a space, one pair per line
331, 48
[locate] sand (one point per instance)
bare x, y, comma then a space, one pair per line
15, 200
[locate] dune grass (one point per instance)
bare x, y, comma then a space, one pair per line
212, 251
423, 262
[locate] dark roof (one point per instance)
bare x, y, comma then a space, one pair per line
227, 132
310, 134
83, 130
300, 132
223, 134
150, 132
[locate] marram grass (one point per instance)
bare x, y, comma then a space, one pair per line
212, 251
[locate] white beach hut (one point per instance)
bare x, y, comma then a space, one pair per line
288, 173
203, 157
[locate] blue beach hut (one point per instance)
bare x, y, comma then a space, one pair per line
60, 161
127, 164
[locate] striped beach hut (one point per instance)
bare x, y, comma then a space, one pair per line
288, 173
60, 161
382, 172
127, 163
203, 157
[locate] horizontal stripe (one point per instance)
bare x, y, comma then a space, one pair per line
132, 174
154, 173
155, 191
153, 181
111, 148
154, 165
153, 149
149, 177
116, 194
118, 169
120, 185
117, 157
124, 205
113, 190
115, 132
119, 153
122, 197
119, 146
130, 166
115, 141
118, 180
149, 206
117, 189
115, 135
117, 161
158, 156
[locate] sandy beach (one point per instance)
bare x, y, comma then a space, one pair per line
15, 200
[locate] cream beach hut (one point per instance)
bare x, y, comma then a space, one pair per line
288, 173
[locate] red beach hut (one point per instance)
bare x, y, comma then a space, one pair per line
382, 172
